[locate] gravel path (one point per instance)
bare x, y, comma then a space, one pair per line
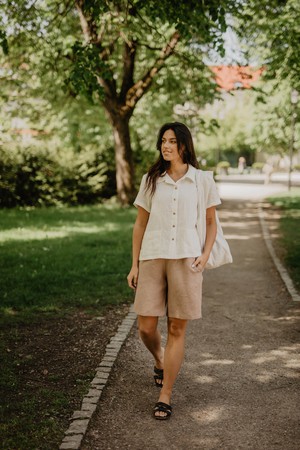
239, 385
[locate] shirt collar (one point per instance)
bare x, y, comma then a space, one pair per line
191, 174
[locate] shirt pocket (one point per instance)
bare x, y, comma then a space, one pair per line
151, 244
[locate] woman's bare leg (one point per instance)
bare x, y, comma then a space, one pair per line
173, 358
151, 338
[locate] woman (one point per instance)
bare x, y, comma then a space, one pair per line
167, 259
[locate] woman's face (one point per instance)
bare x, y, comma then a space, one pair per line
169, 148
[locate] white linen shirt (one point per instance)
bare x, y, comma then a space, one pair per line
171, 231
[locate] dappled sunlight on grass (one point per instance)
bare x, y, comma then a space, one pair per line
67, 216
287, 236
64, 258
9, 311
29, 234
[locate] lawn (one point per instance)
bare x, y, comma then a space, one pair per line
63, 293
289, 205
53, 259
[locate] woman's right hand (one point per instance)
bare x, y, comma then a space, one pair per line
132, 277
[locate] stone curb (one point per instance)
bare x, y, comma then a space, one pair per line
81, 418
279, 266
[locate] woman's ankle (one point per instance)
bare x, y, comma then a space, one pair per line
165, 397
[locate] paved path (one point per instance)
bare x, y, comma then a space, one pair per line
239, 385
276, 177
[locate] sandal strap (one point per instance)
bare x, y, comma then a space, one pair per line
158, 377
158, 371
163, 407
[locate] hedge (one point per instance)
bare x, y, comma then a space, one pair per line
42, 178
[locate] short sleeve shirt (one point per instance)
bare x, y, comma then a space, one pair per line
171, 230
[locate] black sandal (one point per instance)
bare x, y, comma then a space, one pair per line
158, 377
162, 407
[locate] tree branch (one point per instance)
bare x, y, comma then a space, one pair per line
140, 87
128, 68
149, 47
150, 26
90, 33
87, 25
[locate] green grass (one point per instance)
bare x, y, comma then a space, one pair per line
53, 259
289, 203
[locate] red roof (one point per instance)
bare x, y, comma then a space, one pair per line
236, 77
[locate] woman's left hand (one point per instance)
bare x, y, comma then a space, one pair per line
200, 262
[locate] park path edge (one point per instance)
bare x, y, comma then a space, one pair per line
81, 418
279, 266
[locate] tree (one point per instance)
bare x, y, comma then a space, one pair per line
118, 52
272, 28
234, 118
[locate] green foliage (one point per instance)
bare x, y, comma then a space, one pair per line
28, 179
289, 240
3, 42
223, 165
48, 37
272, 29
71, 245
83, 73
272, 120
258, 166
250, 122
232, 120
60, 52
288, 202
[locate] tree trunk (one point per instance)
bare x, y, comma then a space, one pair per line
124, 161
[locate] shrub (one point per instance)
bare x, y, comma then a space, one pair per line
36, 178
258, 165
223, 165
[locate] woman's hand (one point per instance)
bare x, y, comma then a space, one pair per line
200, 262
132, 277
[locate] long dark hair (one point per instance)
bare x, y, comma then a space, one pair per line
185, 147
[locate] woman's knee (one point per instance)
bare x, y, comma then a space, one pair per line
177, 327
147, 326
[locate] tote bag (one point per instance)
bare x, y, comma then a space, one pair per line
220, 253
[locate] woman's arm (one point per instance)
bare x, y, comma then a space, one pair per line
137, 237
211, 232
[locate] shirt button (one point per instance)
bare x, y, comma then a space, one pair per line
173, 226
174, 214
172, 239
175, 187
174, 198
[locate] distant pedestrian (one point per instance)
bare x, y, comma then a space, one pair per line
241, 164
168, 260
267, 169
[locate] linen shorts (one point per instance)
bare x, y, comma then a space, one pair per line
169, 287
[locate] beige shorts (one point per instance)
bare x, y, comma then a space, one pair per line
169, 287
